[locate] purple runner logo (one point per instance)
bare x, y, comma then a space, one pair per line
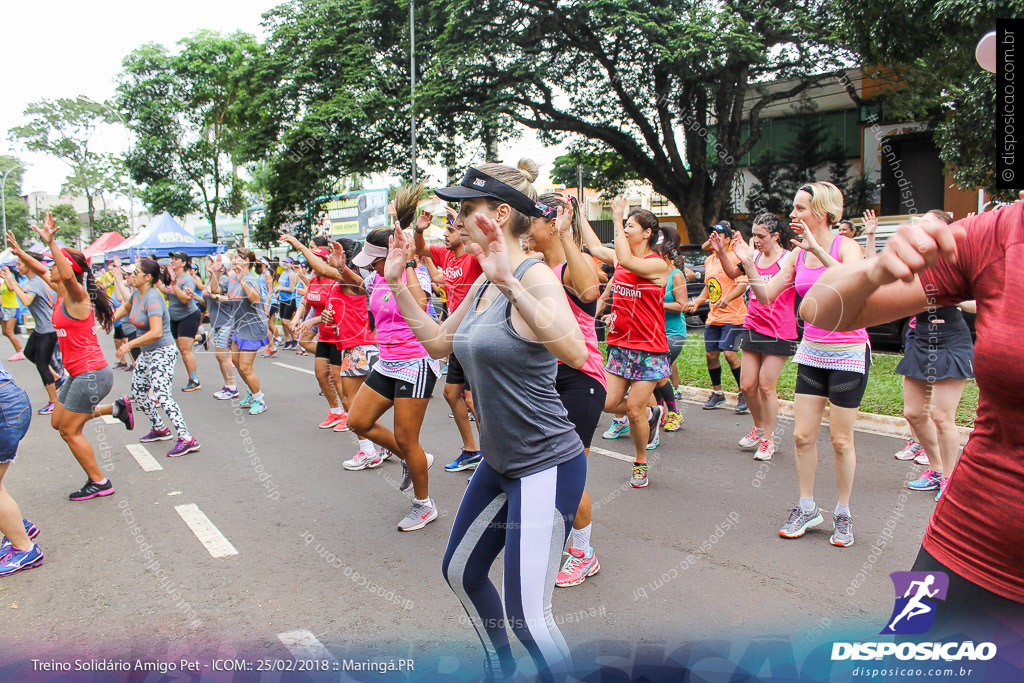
914, 610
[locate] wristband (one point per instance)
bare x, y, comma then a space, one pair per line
410, 264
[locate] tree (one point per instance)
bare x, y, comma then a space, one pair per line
64, 129
772, 192
67, 218
675, 89
186, 111
113, 220
16, 209
604, 170
937, 78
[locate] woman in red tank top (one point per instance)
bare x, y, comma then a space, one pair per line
637, 344
91, 377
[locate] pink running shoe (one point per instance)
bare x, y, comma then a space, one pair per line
578, 566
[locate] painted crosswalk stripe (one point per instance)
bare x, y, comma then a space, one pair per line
142, 456
209, 535
110, 419
294, 367
612, 454
304, 645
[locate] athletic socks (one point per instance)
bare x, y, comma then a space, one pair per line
842, 509
581, 538
231, 387
736, 374
807, 504
258, 396
115, 409
716, 376
366, 446
337, 411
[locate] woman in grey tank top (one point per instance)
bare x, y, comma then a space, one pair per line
508, 333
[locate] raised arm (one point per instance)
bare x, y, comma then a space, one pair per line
655, 270
733, 270
420, 247
580, 271
33, 265
593, 242
48, 234
870, 228
767, 293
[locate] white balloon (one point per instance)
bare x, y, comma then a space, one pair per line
985, 53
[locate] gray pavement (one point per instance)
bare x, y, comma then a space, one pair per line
694, 557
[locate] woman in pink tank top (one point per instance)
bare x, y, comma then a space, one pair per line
833, 365
769, 335
582, 391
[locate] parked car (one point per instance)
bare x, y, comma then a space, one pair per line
893, 335
694, 257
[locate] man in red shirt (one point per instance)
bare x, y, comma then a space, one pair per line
460, 270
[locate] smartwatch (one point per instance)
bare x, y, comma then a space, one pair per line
410, 264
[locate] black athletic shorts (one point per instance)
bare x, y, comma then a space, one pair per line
843, 388
391, 388
287, 309
456, 375
583, 398
187, 326
330, 351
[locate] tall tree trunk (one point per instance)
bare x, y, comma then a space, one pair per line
92, 218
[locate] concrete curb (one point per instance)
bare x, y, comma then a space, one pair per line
883, 425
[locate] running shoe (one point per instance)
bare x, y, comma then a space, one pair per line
92, 490
678, 393
930, 480
342, 424
942, 489
18, 356
472, 417
124, 411
419, 516
17, 560
363, 461
753, 438
204, 342
192, 385
247, 401
673, 422
717, 398
384, 453
618, 428
117, 366
766, 451
799, 522
741, 405
47, 409
654, 424
639, 478
269, 353
910, 451
183, 446
406, 484
843, 534
578, 566
225, 394
467, 460
157, 435
31, 530
331, 420
258, 406
922, 459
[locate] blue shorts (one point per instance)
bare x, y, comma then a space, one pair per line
9, 313
15, 417
722, 337
249, 344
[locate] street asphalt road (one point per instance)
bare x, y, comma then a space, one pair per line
306, 546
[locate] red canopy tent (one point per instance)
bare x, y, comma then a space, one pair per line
106, 242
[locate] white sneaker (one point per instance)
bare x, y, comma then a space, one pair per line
766, 451
910, 451
922, 459
363, 460
752, 439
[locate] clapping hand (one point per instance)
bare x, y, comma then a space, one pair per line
394, 265
808, 243
495, 263
870, 222
337, 258
48, 230
423, 222
619, 206
743, 251
563, 222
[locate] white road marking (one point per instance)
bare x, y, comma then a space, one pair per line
304, 645
612, 454
174, 493
209, 535
294, 367
110, 419
142, 456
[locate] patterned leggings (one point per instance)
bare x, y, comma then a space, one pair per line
154, 371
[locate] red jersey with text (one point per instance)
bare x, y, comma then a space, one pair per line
460, 272
79, 348
979, 520
320, 295
638, 312
352, 319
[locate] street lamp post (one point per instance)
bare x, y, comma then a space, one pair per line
3, 195
131, 193
412, 78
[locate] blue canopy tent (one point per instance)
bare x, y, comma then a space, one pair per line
162, 236
40, 248
7, 258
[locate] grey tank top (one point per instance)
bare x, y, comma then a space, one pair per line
524, 427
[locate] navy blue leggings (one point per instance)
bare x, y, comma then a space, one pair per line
530, 519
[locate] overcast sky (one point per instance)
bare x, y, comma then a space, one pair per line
65, 49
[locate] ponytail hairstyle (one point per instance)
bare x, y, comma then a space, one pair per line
521, 178
667, 246
379, 237
249, 256
406, 202
648, 221
351, 248
97, 295
556, 200
826, 200
151, 269
774, 226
